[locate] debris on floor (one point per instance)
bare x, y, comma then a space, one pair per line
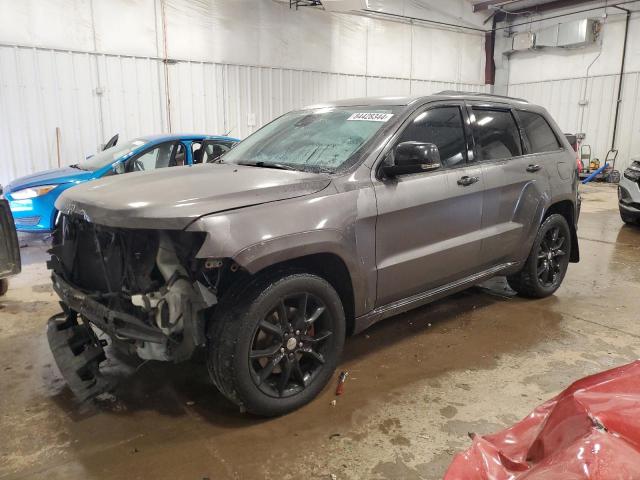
341, 379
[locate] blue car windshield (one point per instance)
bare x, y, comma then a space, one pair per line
110, 155
316, 140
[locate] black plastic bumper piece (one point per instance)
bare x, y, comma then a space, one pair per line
113, 322
78, 354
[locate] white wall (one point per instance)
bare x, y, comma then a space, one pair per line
558, 79
95, 67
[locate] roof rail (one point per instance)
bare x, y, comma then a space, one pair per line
479, 94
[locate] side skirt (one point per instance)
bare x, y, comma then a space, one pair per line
405, 304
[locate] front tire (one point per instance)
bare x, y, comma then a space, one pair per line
4, 286
275, 345
547, 263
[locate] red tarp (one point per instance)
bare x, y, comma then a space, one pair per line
590, 431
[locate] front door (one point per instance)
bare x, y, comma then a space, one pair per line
428, 226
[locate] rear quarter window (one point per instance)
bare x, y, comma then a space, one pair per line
539, 133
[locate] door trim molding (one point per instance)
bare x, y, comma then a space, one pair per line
409, 303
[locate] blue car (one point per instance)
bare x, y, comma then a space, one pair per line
32, 198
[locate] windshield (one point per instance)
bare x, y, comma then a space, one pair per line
110, 155
320, 140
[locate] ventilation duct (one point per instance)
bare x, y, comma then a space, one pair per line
575, 34
578, 33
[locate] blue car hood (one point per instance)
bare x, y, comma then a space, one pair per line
49, 177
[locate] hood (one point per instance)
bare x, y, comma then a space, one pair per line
171, 198
49, 177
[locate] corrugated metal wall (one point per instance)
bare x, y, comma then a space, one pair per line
90, 97
596, 118
87, 97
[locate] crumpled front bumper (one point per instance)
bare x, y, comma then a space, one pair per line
117, 324
78, 354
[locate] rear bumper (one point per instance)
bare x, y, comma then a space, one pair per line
117, 324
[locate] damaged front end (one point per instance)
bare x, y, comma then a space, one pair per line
144, 288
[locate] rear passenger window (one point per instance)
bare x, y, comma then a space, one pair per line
496, 134
541, 137
443, 127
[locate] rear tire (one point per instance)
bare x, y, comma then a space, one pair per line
547, 263
275, 344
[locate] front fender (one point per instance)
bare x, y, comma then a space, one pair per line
341, 224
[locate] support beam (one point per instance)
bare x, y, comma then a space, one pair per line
478, 7
553, 5
489, 50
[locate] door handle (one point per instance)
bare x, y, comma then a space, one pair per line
466, 180
534, 168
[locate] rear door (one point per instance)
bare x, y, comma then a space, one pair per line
516, 183
9, 248
428, 225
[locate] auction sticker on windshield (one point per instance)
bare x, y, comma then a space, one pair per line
371, 116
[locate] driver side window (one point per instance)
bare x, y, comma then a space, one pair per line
442, 126
158, 157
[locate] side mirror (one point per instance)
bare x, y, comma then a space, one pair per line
119, 168
413, 157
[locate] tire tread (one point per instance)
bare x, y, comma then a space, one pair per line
523, 282
224, 330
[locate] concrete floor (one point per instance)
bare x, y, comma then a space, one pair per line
418, 383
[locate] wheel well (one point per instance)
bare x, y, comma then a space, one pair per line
567, 210
333, 269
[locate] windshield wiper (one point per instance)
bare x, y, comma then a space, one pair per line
279, 166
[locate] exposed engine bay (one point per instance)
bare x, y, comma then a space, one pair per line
144, 288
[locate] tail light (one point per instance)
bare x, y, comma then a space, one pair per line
579, 164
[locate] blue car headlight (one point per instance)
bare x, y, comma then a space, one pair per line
33, 192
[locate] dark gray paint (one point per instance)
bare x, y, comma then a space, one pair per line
405, 241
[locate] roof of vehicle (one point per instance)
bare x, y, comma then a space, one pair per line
186, 136
409, 100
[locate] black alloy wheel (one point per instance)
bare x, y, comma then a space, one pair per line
550, 253
287, 351
275, 343
548, 260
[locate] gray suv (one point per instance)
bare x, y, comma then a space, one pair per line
322, 223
